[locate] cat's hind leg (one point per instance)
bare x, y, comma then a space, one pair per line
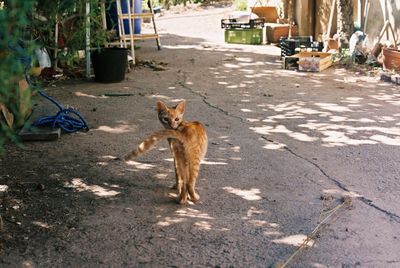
182, 187
193, 173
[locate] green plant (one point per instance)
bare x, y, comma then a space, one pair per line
14, 19
343, 57
70, 18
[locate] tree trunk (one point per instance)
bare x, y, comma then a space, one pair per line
345, 22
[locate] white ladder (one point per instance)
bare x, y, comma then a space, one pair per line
126, 40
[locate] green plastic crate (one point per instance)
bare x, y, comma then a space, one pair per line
244, 36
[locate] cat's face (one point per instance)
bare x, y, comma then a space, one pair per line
170, 117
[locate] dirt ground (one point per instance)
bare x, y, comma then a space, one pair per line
285, 147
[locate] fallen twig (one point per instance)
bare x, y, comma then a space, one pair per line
345, 201
11, 221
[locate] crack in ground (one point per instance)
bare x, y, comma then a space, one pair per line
342, 186
363, 199
209, 104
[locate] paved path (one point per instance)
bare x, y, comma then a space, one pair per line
285, 147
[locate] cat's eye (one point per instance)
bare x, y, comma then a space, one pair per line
177, 119
165, 119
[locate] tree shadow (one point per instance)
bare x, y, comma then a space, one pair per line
96, 210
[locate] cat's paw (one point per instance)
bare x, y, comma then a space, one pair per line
183, 199
195, 198
130, 156
183, 202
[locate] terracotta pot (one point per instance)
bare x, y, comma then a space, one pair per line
391, 59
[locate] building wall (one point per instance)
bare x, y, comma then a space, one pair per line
304, 18
322, 13
312, 17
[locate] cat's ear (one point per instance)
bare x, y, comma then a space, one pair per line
161, 106
181, 107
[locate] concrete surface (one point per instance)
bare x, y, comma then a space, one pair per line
284, 148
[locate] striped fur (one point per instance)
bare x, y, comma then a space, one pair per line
188, 143
152, 140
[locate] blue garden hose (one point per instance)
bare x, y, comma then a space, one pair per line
63, 119
68, 119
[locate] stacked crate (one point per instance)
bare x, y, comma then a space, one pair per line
250, 33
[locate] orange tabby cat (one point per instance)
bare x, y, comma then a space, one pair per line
188, 144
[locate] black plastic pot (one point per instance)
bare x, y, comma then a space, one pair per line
109, 64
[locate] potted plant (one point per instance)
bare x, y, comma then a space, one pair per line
391, 58
109, 64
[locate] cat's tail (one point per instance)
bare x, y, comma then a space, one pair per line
152, 140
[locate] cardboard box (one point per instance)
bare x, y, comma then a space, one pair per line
309, 61
275, 31
268, 13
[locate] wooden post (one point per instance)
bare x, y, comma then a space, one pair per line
56, 44
366, 14
87, 39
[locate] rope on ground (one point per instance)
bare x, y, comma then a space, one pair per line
346, 201
64, 119
68, 119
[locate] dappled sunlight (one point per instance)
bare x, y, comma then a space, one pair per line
80, 186
269, 228
250, 195
333, 107
197, 219
203, 162
272, 233
341, 193
273, 145
140, 166
119, 129
107, 157
294, 240
212, 163
81, 94
252, 120
236, 149
200, 219
352, 100
161, 176
232, 66
267, 130
41, 224
392, 98
336, 138
328, 123
193, 213
386, 140
3, 189
203, 225
252, 211
169, 221
158, 96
